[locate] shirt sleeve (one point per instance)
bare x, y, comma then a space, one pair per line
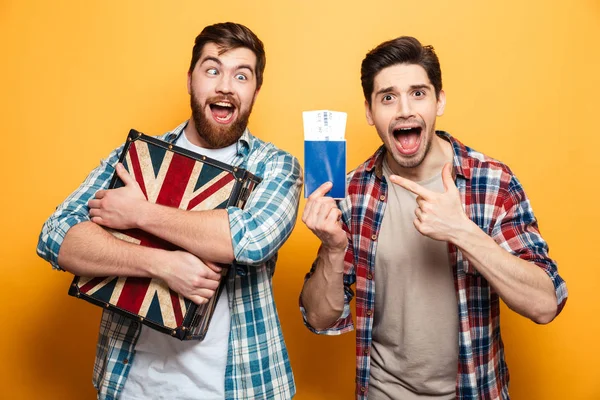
516, 230
267, 220
344, 323
74, 209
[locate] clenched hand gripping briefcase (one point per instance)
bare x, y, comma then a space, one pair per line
173, 177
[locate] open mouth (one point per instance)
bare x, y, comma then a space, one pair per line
408, 139
222, 111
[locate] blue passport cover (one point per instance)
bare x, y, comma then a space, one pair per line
325, 161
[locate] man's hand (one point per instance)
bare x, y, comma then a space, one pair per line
322, 216
191, 277
118, 208
439, 215
323, 294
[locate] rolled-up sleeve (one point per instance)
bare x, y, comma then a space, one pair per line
74, 210
344, 323
516, 230
267, 220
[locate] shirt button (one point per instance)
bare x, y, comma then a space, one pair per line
369, 276
126, 361
374, 237
382, 197
363, 389
366, 351
369, 312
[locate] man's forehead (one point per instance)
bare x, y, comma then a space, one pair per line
401, 76
237, 56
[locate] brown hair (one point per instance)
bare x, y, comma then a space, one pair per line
402, 50
228, 36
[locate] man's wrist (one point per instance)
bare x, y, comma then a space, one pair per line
464, 234
142, 213
333, 251
332, 259
159, 262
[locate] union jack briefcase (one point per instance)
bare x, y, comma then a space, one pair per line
174, 177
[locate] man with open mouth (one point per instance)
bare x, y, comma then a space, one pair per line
432, 234
243, 355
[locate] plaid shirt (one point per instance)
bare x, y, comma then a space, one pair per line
494, 199
258, 365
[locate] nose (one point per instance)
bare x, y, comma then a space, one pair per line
223, 85
404, 108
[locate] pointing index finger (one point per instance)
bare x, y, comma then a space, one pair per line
411, 186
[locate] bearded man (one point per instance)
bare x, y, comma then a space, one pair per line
243, 354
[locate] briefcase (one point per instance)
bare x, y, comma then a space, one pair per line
174, 177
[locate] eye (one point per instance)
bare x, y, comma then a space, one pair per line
387, 98
241, 77
212, 71
419, 93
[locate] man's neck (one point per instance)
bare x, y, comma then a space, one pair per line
192, 134
439, 154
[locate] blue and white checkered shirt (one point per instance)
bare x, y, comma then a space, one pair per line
258, 365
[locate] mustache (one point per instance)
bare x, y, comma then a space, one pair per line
411, 121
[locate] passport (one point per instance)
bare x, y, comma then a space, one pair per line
325, 151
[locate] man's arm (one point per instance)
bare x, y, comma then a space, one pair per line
522, 285
88, 250
249, 236
69, 241
529, 287
203, 233
323, 294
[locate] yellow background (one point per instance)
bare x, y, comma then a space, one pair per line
522, 84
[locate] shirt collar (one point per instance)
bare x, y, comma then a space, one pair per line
376, 162
461, 162
243, 143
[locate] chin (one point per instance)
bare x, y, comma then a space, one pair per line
411, 161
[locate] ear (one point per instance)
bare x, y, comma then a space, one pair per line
189, 83
255, 96
368, 113
441, 103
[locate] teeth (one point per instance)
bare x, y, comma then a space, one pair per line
223, 104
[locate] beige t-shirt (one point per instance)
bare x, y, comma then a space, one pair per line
415, 330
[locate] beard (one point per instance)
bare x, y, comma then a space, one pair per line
217, 137
414, 160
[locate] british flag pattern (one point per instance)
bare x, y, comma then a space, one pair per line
169, 177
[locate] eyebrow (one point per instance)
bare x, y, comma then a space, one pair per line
421, 86
209, 58
245, 66
218, 62
393, 88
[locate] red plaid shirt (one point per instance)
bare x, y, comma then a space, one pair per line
494, 199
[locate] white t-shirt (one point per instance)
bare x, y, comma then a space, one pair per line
168, 368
